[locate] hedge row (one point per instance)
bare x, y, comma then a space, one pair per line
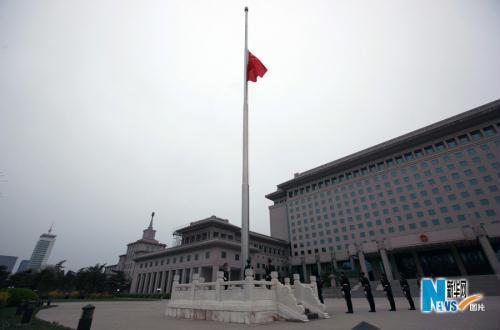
14, 297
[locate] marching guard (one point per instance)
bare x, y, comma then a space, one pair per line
368, 291
346, 290
406, 290
388, 291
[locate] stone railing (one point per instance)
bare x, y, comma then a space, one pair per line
306, 295
247, 301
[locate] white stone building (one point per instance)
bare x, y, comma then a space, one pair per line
205, 245
147, 244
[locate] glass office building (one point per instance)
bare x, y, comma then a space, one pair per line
42, 250
427, 203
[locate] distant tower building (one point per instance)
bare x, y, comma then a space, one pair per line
42, 250
149, 233
23, 266
146, 244
8, 262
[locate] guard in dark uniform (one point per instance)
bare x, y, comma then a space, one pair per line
406, 290
225, 270
388, 291
319, 287
346, 290
268, 269
368, 291
249, 264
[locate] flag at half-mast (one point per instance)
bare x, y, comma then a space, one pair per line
255, 68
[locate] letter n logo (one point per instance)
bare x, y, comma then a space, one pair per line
432, 293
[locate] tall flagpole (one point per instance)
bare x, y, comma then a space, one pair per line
245, 200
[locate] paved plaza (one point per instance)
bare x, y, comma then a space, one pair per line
151, 315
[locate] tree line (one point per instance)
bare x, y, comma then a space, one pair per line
86, 281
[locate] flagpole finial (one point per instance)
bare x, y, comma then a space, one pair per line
246, 9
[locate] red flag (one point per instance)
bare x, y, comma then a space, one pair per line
255, 68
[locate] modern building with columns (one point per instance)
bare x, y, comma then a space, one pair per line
147, 244
427, 202
205, 245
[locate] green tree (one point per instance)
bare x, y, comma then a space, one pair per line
91, 279
45, 281
22, 280
68, 281
117, 281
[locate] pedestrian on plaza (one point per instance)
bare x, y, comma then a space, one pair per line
368, 291
388, 291
406, 290
346, 290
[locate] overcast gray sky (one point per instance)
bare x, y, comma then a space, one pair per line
112, 109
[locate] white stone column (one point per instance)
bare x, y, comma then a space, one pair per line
148, 282
138, 284
215, 269
386, 263
394, 266
174, 285
163, 283
304, 270
134, 286
490, 254
157, 282
179, 272
248, 286
362, 262
334, 262
169, 280
134, 283
151, 283
143, 281
191, 271
194, 282
219, 279
458, 260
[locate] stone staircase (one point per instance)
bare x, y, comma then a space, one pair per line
306, 295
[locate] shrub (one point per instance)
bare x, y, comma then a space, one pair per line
73, 295
4, 298
100, 296
56, 294
16, 296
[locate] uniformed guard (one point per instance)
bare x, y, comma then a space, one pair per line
388, 291
346, 290
225, 270
406, 290
269, 268
249, 264
368, 291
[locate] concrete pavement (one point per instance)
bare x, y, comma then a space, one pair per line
151, 315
